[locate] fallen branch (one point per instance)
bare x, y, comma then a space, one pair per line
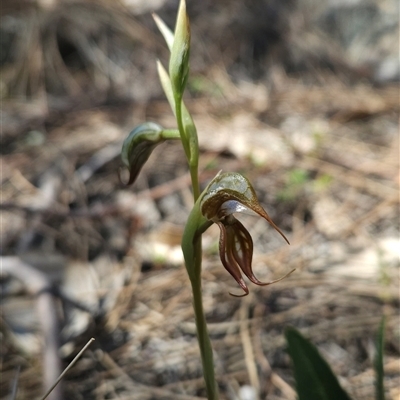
38, 284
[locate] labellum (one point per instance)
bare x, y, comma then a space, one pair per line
230, 193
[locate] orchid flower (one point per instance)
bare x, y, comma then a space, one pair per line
230, 193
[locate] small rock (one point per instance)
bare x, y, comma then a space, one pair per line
247, 392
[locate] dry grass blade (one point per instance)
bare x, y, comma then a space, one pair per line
71, 364
248, 348
14, 386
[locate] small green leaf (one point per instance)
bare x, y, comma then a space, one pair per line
322, 182
314, 377
191, 134
165, 31
190, 141
166, 85
297, 176
380, 389
179, 61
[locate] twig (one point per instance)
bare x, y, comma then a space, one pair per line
38, 284
14, 385
71, 364
248, 348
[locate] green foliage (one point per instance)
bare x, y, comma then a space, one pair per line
140, 143
298, 176
179, 61
314, 377
380, 390
165, 31
138, 146
298, 181
295, 182
174, 83
322, 182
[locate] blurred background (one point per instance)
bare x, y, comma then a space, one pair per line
301, 96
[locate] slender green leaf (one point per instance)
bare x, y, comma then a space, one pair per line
314, 377
165, 31
380, 389
190, 141
166, 85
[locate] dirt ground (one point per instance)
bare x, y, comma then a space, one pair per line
283, 94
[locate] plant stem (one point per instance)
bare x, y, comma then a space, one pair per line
192, 152
185, 139
201, 326
171, 134
194, 175
194, 270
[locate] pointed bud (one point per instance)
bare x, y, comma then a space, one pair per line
179, 62
190, 142
138, 146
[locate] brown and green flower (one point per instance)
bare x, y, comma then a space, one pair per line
230, 193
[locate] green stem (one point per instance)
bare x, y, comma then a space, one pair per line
169, 134
196, 225
201, 326
189, 151
192, 237
185, 139
194, 175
